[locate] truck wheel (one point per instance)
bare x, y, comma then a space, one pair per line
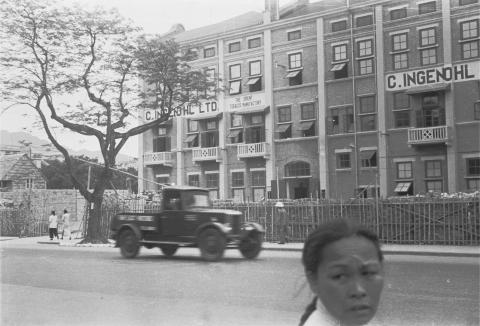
129, 244
251, 245
169, 250
212, 244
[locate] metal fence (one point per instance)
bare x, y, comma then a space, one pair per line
441, 221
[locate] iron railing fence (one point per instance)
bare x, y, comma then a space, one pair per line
439, 221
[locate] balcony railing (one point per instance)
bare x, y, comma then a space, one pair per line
252, 150
206, 154
428, 135
161, 158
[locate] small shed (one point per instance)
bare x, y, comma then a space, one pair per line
18, 172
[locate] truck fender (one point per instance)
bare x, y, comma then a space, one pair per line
252, 226
132, 227
219, 226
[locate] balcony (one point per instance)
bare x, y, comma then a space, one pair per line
206, 154
158, 158
428, 135
253, 150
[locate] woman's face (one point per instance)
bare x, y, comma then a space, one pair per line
349, 280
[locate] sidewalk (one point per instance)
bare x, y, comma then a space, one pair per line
388, 249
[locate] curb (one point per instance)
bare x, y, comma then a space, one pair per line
432, 253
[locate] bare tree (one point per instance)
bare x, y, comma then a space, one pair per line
50, 53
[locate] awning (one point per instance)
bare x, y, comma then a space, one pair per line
403, 186
252, 81
253, 110
191, 138
368, 155
210, 115
338, 66
428, 89
234, 133
304, 126
292, 74
284, 127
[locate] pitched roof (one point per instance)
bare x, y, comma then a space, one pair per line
250, 18
294, 10
7, 162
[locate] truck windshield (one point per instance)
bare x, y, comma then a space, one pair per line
197, 199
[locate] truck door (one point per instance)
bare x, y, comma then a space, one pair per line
172, 217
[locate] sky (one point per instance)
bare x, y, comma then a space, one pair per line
154, 16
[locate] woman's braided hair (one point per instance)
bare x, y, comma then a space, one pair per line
324, 235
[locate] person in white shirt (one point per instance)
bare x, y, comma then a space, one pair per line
344, 267
66, 224
52, 225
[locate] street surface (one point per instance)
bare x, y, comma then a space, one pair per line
51, 285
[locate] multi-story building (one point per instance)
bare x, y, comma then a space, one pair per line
334, 98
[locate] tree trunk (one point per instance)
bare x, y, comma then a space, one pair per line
94, 229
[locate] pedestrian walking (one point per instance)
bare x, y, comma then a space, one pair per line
344, 267
53, 225
66, 225
282, 222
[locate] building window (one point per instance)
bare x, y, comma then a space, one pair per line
254, 43
467, 2
307, 128
400, 42
235, 87
339, 26
161, 144
473, 166
235, 71
404, 170
367, 104
398, 13
209, 52
284, 114
428, 57
476, 111
433, 169
234, 47
236, 120
297, 169
192, 140
340, 52
469, 29
211, 125
254, 68
29, 183
435, 186
294, 35
194, 180
401, 101
236, 136
295, 60
308, 111
470, 50
401, 118
364, 20
365, 48
209, 138
284, 130
212, 180
258, 182
404, 188
473, 185
340, 120
192, 125
368, 159
343, 161
254, 135
400, 61
368, 122
365, 66
256, 119
428, 37
238, 179
427, 7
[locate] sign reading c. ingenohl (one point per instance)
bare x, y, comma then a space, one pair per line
188, 110
431, 76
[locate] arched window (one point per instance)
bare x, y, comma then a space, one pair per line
297, 169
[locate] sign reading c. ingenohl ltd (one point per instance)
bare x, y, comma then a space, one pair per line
189, 111
431, 76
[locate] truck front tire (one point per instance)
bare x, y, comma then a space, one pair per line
129, 244
212, 244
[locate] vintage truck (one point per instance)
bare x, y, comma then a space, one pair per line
184, 217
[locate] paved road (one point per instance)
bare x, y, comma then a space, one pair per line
50, 285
